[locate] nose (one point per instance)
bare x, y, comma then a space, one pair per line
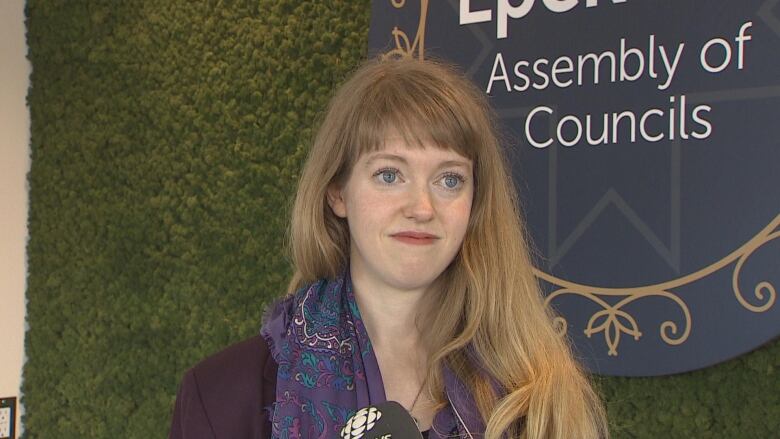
420, 205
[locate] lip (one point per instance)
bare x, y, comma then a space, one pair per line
415, 238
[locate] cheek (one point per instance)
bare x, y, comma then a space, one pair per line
365, 213
459, 214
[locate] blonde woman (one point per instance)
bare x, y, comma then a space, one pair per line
412, 282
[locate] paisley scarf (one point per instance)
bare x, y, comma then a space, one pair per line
328, 370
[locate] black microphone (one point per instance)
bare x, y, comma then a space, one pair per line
388, 420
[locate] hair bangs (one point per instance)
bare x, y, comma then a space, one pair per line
420, 109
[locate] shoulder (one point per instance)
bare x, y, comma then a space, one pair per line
227, 394
237, 367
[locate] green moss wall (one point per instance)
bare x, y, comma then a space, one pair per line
166, 141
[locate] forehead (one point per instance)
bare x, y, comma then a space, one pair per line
395, 149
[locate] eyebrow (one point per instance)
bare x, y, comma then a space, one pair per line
398, 158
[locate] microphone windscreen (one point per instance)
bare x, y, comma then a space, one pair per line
388, 420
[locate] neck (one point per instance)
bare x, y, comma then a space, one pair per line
390, 317
389, 314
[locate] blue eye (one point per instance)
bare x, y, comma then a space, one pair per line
388, 175
453, 181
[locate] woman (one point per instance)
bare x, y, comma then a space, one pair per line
412, 283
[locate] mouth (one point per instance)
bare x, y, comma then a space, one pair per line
415, 238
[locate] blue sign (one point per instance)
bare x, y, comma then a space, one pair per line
644, 137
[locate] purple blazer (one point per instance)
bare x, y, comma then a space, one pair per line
227, 395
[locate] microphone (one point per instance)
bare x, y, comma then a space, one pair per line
388, 420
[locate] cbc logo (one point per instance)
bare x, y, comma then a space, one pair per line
363, 421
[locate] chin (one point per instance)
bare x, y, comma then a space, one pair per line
413, 282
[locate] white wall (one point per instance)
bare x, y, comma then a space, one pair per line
14, 165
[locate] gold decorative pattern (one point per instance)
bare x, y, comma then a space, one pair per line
403, 48
613, 320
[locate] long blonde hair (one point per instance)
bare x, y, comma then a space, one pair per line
493, 326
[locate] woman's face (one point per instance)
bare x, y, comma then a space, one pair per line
407, 210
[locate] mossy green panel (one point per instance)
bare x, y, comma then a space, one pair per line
166, 142
736, 399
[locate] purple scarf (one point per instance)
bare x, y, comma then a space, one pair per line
328, 370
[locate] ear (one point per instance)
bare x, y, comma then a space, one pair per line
336, 201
